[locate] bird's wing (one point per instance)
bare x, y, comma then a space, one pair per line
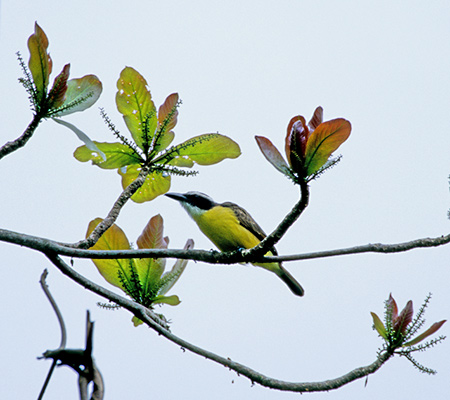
246, 220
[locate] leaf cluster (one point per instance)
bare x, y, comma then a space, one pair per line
308, 146
152, 134
65, 96
398, 330
143, 279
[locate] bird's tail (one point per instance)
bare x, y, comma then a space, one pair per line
289, 280
284, 274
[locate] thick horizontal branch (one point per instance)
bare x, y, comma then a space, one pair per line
209, 256
148, 317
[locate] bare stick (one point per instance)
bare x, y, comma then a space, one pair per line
61, 324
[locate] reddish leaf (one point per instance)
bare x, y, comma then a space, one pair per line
316, 119
404, 319
272, 154
323, 142
433, 328
296, 142
166, 108
58, 92
152, 235
392, 305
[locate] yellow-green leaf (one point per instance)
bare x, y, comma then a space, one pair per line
134, 102
164, 141
117, 155
379, 326
81, 94
136, 321
205, 149
155, 184
323, 141
113, 239
170, 300
40, 63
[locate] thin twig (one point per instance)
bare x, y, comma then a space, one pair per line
268, 242
55, 308
62, 326
21, 141
143, 314
114, 213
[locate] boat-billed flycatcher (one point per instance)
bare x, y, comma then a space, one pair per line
231, 228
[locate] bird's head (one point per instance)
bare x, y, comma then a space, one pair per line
195, 203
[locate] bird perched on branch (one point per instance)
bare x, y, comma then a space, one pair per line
231, 228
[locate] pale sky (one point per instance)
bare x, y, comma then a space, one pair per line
242, 68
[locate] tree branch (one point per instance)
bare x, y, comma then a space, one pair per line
267, 243
213, 257
101, 228
59, 316
147, 316
21, 141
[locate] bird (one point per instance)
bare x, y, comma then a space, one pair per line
231, 228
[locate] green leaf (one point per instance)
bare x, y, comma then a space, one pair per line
316, 119
113, 239
40, 63
81, 94
432, 329
164, 141
115, 155
136, 321
134, 102
272, 155
324, 141
379, 325
155, 184
170, 300
205, 149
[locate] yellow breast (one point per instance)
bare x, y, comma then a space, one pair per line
222, 227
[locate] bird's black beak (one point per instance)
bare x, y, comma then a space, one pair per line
176, 196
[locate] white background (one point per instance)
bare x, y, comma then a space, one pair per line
242, 68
